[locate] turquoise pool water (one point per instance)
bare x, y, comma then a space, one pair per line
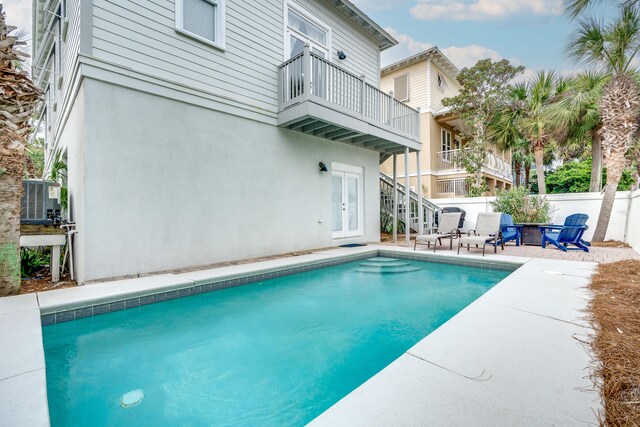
277, 352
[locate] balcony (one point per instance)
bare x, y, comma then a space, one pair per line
493, 165
319, 98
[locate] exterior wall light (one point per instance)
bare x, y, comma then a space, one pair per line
341, 55
323, 167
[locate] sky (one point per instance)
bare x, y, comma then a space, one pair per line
532, 33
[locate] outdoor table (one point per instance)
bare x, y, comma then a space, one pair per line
530, 232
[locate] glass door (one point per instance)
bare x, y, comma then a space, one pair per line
347, 209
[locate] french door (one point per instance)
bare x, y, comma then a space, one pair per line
347, 209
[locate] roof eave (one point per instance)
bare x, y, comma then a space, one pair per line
385, 40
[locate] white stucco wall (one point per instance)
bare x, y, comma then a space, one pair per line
170, 185
562, 205
633, 221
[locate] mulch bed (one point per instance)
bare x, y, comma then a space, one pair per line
41, 281
615, 316
610, 244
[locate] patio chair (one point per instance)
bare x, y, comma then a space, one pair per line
447, 227
570, 233
509, 230
487, 230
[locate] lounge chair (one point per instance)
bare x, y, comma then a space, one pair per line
487, 230
447, 227
570, 233
509, 230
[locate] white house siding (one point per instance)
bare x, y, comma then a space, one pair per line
141, 35
437, 93
418, 92
169, 185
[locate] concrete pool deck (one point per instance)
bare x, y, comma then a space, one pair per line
512, 357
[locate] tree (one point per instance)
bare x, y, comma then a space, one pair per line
526, 116
575, 177
483, 91
574, 8
18, 99
612, 47
578, 111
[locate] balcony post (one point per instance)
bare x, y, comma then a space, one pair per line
306, 72
420, 195
417, 127
407, 197
395, 198
390, 118
362, 94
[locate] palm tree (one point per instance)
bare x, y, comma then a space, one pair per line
612, 48
527, 117
18, 99
575, 8
577, 111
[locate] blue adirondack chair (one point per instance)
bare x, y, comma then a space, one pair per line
509, 230
570, 233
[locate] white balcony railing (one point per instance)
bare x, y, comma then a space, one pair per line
453, 187
447, 160
308, 76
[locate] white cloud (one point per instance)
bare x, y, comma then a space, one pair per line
465, 56
18, 14
480, 10
379, 4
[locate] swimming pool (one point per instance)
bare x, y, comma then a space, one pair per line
275, 352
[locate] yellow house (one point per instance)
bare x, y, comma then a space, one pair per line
423, 81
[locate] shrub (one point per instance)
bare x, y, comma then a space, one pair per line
575, 177
32, 260
386, 223
522, 206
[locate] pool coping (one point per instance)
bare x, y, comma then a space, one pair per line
23, 399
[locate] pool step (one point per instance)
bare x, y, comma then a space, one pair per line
382, 265
387, 270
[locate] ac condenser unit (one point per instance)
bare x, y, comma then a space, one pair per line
40, 202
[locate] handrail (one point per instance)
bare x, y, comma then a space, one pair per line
447, 160
308, 75
430, 210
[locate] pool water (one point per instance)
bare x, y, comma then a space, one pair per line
277, 352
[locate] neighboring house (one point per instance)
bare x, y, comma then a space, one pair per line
194, 129
423, 81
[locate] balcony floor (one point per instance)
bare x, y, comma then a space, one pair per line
325, 120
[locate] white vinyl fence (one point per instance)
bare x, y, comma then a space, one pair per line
625, 216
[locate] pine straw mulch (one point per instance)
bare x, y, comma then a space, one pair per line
615, 315
610, 244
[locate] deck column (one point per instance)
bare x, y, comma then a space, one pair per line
407, 198
395, 198
419, 191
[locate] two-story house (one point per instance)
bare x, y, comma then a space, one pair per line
423, 81
199, 131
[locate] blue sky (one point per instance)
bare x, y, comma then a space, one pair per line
527, 32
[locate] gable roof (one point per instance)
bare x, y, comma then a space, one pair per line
385, 40
436, 56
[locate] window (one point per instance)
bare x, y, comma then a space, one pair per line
303, 29
203, 20
442, 84
401, 87
446, 140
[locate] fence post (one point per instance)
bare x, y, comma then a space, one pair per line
306, 71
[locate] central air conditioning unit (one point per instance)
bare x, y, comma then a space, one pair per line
40, 202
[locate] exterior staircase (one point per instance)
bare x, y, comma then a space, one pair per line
430, 210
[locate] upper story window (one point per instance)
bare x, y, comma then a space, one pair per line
202, 19
442, 83
302, 29
446, 140
401, 87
